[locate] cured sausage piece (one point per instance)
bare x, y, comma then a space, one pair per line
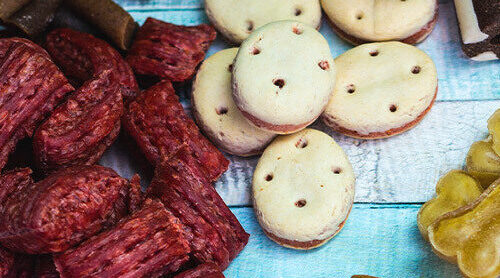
182, 187
169, 51
62, 210
159, 124
31, 86
149, 243
82, 128
82, 56
207, 270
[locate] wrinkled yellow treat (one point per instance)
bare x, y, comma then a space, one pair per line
483, 163
454, 190
494, 128
470, 235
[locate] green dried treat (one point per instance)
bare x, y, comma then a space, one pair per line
454, 190
9, 7
109, 17
483, 163
33, 18
494, 129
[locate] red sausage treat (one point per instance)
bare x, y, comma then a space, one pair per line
81, 129
31, 87
158, 123
136, 198
169, 51
149, 243
45, 267
182, 187
83, 57
207, 270
62, 210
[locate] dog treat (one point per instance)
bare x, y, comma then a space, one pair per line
9, 7
362, 21
79, 202
216, 113
149, 243
494, 129
180, 184
45, 267
206, 270
382, 89
109, 17
33, 18
283, 76
480, 28
169, 51
469, 235
454, 190
237, 19
483, 163
82, 128
158, 123
15, 265
303, 189
31, 87
82, 57
136, 197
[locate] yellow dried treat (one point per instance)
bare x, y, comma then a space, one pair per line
483, 163
454, 190
494, 129
470, 235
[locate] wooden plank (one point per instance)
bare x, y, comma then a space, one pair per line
379, 240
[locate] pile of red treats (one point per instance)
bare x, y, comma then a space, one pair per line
84, 220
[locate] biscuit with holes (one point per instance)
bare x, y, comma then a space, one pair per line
216, 113
236, 20
283, 76
362, 21
303, 189
382, 89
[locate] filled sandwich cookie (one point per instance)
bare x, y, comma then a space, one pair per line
303, 189
283, 76
382, 89
216, 113
362, 21
236, 20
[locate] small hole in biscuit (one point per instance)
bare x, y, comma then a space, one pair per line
269, 177
374, 53
298, 12
336, 170
359, 16
279, 83
221, 110
351, 88
324, 65
230, 68
297, 30
393, 108
302, 143
416, 70
255, 51
249, 26
301, 203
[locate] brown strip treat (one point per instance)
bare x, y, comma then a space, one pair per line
207, 270
33, 18
182, 186
82, 57
149, 243
136, 197
9, 7
109, 17
45, 267
158, 123
62, 210
169, 51
31, 87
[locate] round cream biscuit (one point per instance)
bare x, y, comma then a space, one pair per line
303, 189
216, 113
361, 21
237, 19
283, 76
382, 89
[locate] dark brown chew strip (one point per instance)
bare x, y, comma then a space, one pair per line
83, 56
149, 243
62, 210
207, 270
158, 123
181, 185
109, 17
33, 18
136, 197
31, 87
45, 267
169, 51
82, 128
9, 7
